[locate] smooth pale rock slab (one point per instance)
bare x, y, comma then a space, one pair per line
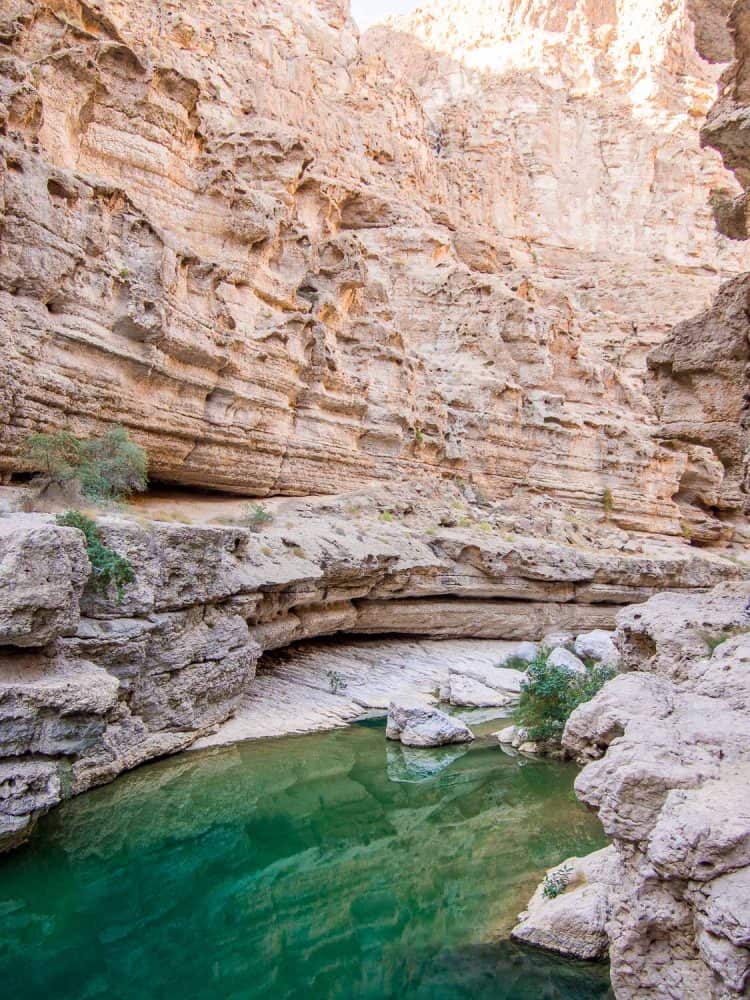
297, 694
598, 646
479, 686
466, 692
573, 923
417, 725
569, 661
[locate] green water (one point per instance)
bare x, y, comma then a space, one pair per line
327, 866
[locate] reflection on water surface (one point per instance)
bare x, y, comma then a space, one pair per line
326, 866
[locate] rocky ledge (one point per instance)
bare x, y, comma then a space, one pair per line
667, 752
92, 684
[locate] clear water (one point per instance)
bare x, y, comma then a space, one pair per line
326, 866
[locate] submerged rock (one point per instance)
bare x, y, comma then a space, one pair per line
413, 765
417, 725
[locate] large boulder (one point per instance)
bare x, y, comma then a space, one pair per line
598, 646
482, 686
569, 661
553, 640
43, 569
572, 923
526, 652
417, 725
27, 789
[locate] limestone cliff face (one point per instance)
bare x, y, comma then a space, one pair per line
701, 386
668, 762
92, 684
293, 263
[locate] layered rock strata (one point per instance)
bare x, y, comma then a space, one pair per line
667, 749
290, 263
701, 373
91, 685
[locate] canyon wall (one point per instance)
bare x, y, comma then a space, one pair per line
93, 683
291, 263
668, 761
701, 373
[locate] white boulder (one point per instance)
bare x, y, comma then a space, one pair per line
526, 651
507, 735
569, 661
598, 646
483, 686
572, 923
417, 725
554, 640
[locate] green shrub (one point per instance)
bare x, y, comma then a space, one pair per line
108, 569
608, 501
108, 468
257, 517
714, 641
550, 695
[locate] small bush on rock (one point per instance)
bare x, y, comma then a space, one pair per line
556, 882
551, 694
257, 517
108, 569
108, 468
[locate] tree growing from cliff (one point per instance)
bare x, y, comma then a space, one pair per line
107, 468
108, 568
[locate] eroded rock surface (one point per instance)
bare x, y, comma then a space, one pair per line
574, 922
92, 684
441, 251
668, 751
702, 371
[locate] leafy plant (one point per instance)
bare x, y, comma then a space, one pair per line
108, 468
257, 517
608, 501
515, 663
556, 882
386, 517
550, 695
108, 568
714, 641
687, 530
113, 466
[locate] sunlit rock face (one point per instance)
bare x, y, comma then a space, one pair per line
700, 385
294, 263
